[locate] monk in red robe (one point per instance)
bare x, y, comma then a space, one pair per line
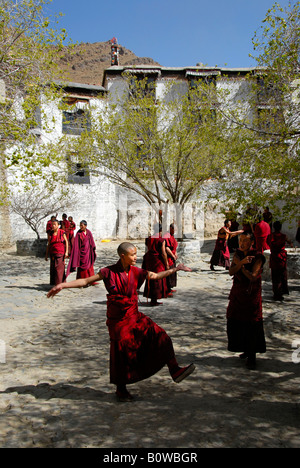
244, 313
156, 260
171, 250
65, 225
138, 346
57, 249
49, 224
221, 254
261, 232
71, 232
278, 262
83, 253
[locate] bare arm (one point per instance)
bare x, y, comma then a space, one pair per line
67, 245
47, 249
79, 283
164, 254
164, 274
169, 251
236, 233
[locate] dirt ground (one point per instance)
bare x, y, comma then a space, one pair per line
54, 358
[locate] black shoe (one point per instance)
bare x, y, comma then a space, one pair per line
243, 356
251, 363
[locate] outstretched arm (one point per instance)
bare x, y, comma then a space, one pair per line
236, 233
79, 283
164, 274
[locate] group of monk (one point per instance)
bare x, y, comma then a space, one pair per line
138, 346
63, 244
244, 312
161, 255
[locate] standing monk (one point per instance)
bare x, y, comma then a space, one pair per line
156, 260
221, 254
171, 250
65, 225
138, 346
261, 232
83, 253
71, 232
57, 248
49, 227
244, 313
278, 262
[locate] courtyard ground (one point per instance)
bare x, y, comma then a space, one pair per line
55, 390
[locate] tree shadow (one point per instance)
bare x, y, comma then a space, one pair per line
37, 287
45, 391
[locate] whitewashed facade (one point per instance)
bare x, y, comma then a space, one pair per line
110, 211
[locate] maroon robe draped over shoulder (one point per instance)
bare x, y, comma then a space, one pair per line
71, 235
153, 261
83, 255
278, 264
138, 347
221, 254
244, 312
172, 244
57, 250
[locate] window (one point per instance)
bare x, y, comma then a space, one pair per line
77, 119
269, 105
142, 85
269, 118
78, 172
267, 92
36, 125
202, 95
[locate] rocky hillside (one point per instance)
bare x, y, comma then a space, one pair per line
85, 62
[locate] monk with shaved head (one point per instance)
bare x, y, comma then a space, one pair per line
138, 346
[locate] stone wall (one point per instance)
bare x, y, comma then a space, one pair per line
32, 247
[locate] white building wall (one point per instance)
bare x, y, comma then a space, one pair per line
113, 212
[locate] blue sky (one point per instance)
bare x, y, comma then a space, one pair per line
172, 32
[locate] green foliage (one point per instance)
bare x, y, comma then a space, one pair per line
163, 149
29, 43
264, 166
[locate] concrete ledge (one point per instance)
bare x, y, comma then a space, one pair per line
293, 264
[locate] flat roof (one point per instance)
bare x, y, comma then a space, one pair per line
82, 86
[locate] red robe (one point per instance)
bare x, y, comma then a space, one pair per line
153, 261
49, 226
138, 347
261, 232
56, 251
83, 255
221, 254
71, 235
244, 312
172, 244
278, 264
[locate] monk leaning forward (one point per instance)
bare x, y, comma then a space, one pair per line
138, 347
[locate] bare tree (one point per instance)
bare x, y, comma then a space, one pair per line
36, 204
